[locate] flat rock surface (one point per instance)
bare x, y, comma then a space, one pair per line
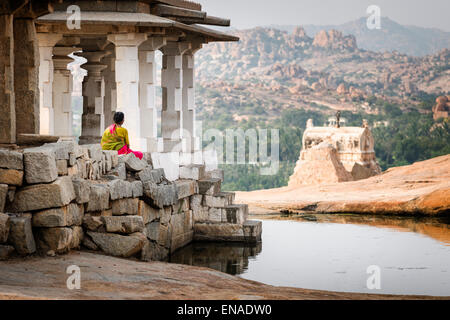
105, 277
420, 188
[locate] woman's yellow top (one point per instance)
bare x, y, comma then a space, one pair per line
115, 138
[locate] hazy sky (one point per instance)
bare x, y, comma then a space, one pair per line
250, 13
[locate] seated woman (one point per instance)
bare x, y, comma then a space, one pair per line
116, 138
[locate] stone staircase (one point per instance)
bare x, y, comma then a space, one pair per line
216, 217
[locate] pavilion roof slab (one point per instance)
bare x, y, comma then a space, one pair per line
109, 18
134, 20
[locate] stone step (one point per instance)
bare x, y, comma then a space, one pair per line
186, 188
249, 232
252, 230
229, 195
223, 199
215, 174
210, 187
192, 171
236, 213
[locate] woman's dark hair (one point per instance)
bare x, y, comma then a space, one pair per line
118, 117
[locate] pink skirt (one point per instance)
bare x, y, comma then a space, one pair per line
126, 150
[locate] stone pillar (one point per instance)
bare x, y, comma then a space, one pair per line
109, 75
188, 100
26, 64
46, 43
147, 94
171, 83
92, 120
127, 82
62, 91
7, 106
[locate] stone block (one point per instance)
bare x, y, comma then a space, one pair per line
160, 195
59, 217
209, 187
124, 224
92, 223
98, 199
147, 212
40, 165
181, 240
5, 252
119, 171
236, 213
82, 190
4, 227
152, 230
82, 168
137, 188
229, 195
44, 196
61, 166
166, 214
151, 175
192, 171
11, 193
112, 159
11, 160
103, 164
164, 235
188, 221
72, 159
77, 237
215, 215
21, 234
128, 206
177, 223
120, 189
200, 212
215, 174
218, 232
80, 151
132, 163
88, 243
181, 206
3, 195
56, 239
186, 188
151, 251
252, 230
221, 200
62, 149
95, 151
118, 245
11, 177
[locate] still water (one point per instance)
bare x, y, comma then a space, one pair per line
334, 252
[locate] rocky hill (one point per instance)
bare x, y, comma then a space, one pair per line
392, 36
274, 70
422, 188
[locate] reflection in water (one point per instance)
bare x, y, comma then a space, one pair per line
437, 228
231, 258
333, 252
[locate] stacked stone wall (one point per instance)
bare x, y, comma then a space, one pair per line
62, 196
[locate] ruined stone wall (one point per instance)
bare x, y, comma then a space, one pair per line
62, 196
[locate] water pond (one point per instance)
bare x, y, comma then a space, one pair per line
336, 252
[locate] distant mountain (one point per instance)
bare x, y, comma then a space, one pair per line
410, 40
271, 70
